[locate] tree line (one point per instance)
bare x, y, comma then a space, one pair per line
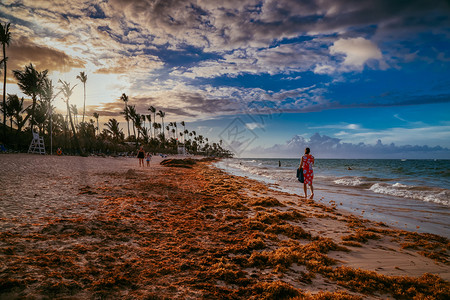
84, 137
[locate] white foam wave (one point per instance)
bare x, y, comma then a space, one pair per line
404, 191
349, 181
399, 185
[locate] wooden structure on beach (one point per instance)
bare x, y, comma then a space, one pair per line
37, 144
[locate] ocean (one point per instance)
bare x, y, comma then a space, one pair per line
407, 194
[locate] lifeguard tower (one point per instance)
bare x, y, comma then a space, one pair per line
37, 144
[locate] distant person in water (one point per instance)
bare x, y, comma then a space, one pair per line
307, 162
149, 157
279, 163
141, 156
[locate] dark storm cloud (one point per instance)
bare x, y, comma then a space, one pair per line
239, 23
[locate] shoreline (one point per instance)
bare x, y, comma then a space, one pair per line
121, 231
401, 212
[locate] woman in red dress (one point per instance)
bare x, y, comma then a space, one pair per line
307, 163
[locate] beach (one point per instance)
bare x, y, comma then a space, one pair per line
408, 194
103, 227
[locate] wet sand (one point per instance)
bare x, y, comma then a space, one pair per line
84, 228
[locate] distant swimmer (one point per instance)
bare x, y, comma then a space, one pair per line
349, 168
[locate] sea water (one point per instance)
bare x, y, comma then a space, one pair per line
409, 194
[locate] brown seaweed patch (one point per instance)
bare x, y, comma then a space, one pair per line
275, 290
326, 295
351, 244
266, 202
256, 243
179, 163
361, 236
228, 272
311, 255
291, 231
273, 216
427, 286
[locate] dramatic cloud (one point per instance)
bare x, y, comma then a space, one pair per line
23, 52
356, 51
199, 60
138, 65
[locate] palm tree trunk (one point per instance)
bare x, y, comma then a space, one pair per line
84, 103
77, 143
4, 91
154, 129
128, 119
33, 108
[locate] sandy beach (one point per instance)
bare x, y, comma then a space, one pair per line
103, 227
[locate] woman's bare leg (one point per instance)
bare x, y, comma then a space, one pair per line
305, 189
312, 191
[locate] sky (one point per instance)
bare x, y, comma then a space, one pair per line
348, 78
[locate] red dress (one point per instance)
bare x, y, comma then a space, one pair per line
308, 173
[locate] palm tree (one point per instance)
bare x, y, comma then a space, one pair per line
176, 130
132, 116
143, 120
168, 131
30, 81
159, 127
10, 109
184, 128
96, 115
149, 119
186, 132
170, 125
5, 38
138, 124
126, 115
67, 92
155, 126
124, 98
47, 95
74, 109
17, 108
153, 110
162, 114
112, 128
83, 78
40, 116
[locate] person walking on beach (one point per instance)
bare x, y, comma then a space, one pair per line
141, 156
149, 157
307, 162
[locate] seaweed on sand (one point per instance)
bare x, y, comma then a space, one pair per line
169, 236
179, 163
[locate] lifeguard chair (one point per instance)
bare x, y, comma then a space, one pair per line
37, 144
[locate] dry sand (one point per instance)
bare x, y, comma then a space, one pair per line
83, 228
